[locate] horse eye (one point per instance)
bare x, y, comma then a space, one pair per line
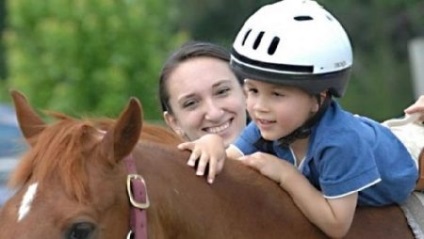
81, 230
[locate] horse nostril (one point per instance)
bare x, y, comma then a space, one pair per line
81, 230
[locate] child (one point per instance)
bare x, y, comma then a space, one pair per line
295, 57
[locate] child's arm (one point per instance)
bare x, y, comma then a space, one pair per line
208, 149
417, 107
332, 216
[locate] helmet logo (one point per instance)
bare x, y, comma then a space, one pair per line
341, 64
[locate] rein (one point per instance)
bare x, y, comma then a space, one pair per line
137, 193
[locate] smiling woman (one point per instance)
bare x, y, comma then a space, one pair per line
200, 94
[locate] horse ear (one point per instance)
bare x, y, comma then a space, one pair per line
29, 121
122, 138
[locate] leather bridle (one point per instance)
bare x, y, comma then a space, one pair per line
139, 201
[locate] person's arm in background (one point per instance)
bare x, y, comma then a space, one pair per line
417, 107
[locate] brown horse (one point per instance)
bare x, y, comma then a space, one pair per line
71, 184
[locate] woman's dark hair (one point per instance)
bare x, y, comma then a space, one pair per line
189, 50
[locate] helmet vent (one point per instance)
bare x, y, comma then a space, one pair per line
258, 40
245, 36
273, 46
303, 18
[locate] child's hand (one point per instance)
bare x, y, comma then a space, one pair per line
417, 107
209, 149
270, 166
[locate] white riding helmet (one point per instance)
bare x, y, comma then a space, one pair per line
294, 42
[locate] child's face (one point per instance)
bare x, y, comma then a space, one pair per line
278, 110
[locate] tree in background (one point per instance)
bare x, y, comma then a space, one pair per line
3, 70
381, 84
379, 29
89, 55
216, 20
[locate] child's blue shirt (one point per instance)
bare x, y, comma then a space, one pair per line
348, 154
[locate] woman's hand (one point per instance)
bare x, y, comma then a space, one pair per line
208, 150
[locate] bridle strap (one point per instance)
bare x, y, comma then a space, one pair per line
139, 201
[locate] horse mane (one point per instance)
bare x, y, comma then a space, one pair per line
60, 151
160, 134
150, 132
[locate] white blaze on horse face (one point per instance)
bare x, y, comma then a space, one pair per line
27, 201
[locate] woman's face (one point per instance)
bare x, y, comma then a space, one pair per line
205, 97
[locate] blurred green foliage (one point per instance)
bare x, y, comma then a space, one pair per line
379, 30
90, 56
80, 56
381, 84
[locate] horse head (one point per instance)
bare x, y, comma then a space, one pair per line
59, 180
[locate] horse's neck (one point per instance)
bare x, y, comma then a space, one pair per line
170, 183
239, 201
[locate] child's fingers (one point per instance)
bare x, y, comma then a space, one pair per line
250, 161
201, 166
242, 158
220, 165
192, 159
194, 154
212, 170
215, 167
186, 146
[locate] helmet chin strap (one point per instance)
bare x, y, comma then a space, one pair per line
306, 129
